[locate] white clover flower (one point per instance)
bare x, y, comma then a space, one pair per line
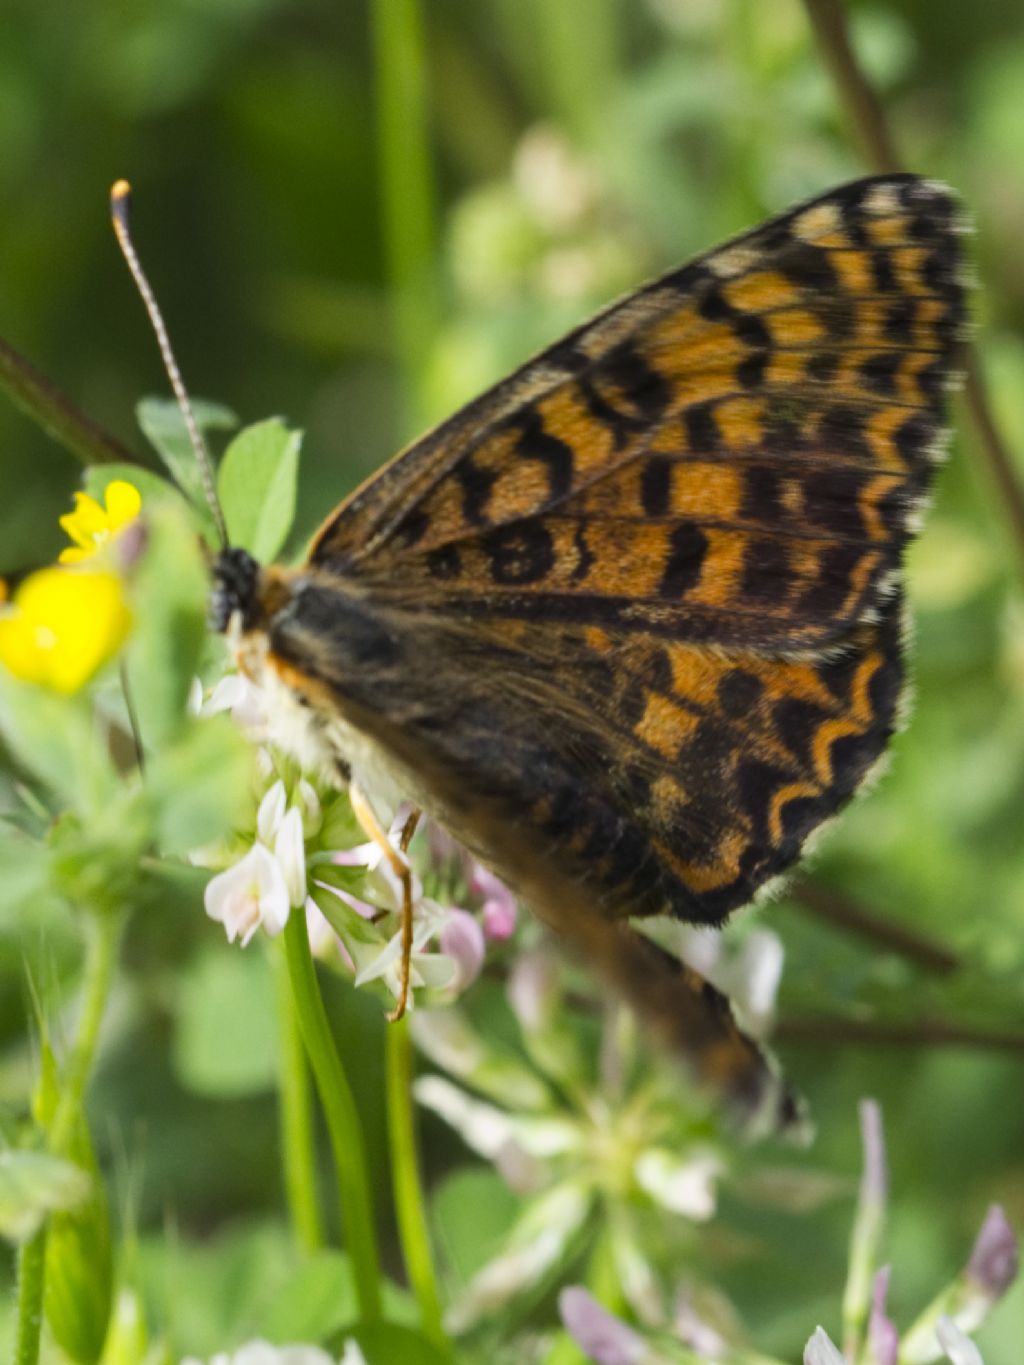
251, 893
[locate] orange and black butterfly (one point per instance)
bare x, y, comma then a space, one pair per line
629, 625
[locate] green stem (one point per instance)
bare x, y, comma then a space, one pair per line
55, 414
31, 1279
296, 1107
408, 1188
342, 1117
103, 934
408, 199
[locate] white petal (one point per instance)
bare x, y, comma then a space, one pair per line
290, 852
249, 894
481, 1126
958, 1347
537, 1243
271, 813
683, 1184
821, 1351
758, 973
312, 817
352, 1355
194, 700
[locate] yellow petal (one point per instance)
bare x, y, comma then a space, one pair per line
123, 503
62, 626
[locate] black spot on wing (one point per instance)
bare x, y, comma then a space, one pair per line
687, 547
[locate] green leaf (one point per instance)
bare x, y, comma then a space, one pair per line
164, 427
474, 1211
79, 1266
33, 1184
24, 872
256, 485
198, 787
56, 738
225, 1038
384, 1343
170, 592
318, 1298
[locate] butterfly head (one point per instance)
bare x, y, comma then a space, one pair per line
236, 582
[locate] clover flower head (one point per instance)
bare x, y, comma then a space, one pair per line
551, 1132
62, 626
92, 527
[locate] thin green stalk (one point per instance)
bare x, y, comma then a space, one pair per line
31, 1281
408, 197
410, 1207
342, 1117
55, 414
103, 934
298, 1142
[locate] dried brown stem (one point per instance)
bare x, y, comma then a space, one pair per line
866, 117
843, 912
826, 1030
57, 415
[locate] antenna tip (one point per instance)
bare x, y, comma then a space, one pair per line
120, 200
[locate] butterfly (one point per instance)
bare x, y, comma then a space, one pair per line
630, 624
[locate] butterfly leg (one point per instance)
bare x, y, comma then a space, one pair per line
399, 865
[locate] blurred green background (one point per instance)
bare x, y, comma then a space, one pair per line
575, 147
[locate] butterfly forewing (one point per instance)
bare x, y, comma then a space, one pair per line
645, 591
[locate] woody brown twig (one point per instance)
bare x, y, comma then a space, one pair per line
56, 414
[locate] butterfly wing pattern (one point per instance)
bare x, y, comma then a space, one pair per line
631, 622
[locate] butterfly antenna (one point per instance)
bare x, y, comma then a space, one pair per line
120, 212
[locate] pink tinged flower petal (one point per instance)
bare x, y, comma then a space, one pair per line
958, 1347
462, 940
685, 1185
994, 1258
601, 1336
251, 893
499, 918
290, 852
820, 1350
533, 990
883, 1338
271, 813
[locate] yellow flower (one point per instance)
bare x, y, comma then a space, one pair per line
62, 625
90, 526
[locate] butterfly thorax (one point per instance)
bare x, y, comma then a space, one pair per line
304, 718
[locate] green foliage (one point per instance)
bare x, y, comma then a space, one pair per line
256, 484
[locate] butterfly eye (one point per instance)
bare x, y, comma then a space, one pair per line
235, 580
